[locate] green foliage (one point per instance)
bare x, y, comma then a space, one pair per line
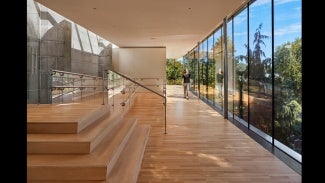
212, 73
288, 69
174, 72
218, 46
259, 65
290, 113
288, 81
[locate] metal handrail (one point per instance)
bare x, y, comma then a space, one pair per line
61, 80
132, 80
106, 87
73, 73
161, 95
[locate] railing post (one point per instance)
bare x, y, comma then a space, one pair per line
73, 89
51, 88
165, 111
81, 88
108, 85
103, 86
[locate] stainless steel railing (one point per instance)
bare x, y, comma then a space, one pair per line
111, 89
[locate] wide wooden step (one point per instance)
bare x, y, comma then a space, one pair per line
128, 165
56, 119
81, 143
93, 166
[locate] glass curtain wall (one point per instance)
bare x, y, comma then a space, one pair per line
192, 58
260, 67
203, 70
230, 67
210, 70
264, 71
240, 52
287, 76
219, 65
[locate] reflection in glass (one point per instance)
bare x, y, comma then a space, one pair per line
203, 69
260, 67
210, 70
288, 75
218, 56
230, 66
240, 66
264, 71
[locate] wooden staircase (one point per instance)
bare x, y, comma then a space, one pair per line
83, 143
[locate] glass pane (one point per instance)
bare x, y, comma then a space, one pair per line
287, 74
230, 70
211, 70
241, 66
194, 70
218, 56
260, 67
203, 69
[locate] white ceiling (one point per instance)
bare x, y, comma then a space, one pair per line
177, 25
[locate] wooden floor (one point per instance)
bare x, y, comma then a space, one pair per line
200, 146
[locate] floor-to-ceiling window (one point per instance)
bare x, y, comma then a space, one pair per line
260, 67
240, 106
263, 70
210, 69
193, 70
190, 62
287, 76
219, 65
203, 69
230, 67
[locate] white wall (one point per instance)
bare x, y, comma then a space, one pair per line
147, 65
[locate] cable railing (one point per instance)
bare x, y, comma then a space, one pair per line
111, 89
71, 87
149, 87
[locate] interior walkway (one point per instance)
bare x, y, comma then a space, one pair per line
200, 146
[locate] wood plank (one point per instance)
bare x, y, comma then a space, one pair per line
128, 165
80, 143
63, 118
201, 146
93, 166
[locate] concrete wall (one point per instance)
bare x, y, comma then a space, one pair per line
48, 47
54, 42
91, 54
33, 38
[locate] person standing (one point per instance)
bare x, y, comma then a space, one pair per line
186, 82
220, 83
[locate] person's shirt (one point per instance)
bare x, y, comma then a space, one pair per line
219, 77
186, 78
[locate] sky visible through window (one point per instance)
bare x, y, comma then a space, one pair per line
287, 23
